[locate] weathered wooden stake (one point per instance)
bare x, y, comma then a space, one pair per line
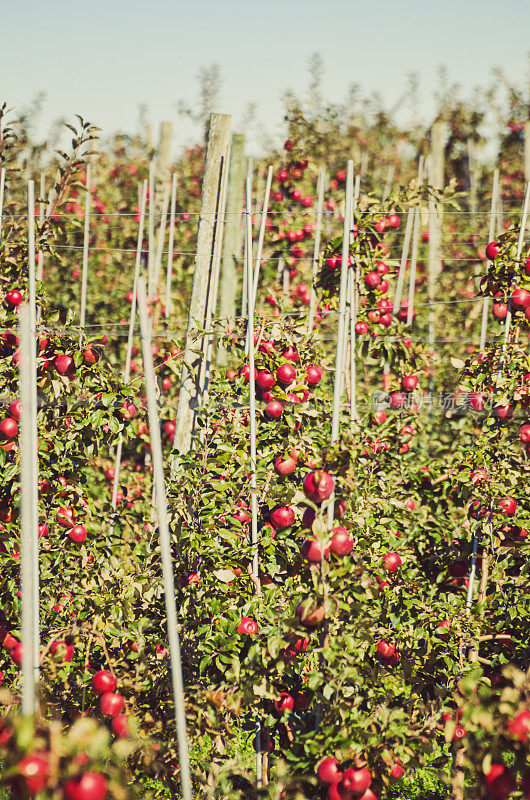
165, 546
151, 223
217, 154
527, 151
160, 243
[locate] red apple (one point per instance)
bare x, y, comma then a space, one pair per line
247, 626
103, 682
328, 770
111, 704
90, 786
318, 486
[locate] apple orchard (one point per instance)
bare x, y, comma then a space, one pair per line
353, 601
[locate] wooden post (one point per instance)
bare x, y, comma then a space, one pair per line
163, 156
232, 237
169, 273
436, 177
160, 242
86, 238
165, 546
217, 154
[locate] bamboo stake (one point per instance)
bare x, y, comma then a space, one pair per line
32, 303
86, 239
132, 317
42, 211
485, 304
520, 243
151, 222
169, 272
29, 520
2, 190
261, 237
403, 262
165, 546
252, 419
341, 327
316, 250
160, 242
413, 262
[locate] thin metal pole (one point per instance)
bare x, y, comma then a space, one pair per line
29, 521
32, 303
485, 305
316, 250
130, 336
86, 239
160, 242
285, 281
165, 545
341, 326
2, 190
170, 245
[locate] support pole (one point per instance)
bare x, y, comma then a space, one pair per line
341, 328
316, 250
2, 191
29, 521
217, 154
165, 546
232, 231
86, 239
132, 317
169, 273
485, 304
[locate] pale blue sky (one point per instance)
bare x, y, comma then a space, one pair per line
103, 58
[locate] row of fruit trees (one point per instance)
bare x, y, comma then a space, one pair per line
377, 627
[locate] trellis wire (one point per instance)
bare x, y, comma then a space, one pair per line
127, 371
86, 239
169, 272
485, 305
165, 545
